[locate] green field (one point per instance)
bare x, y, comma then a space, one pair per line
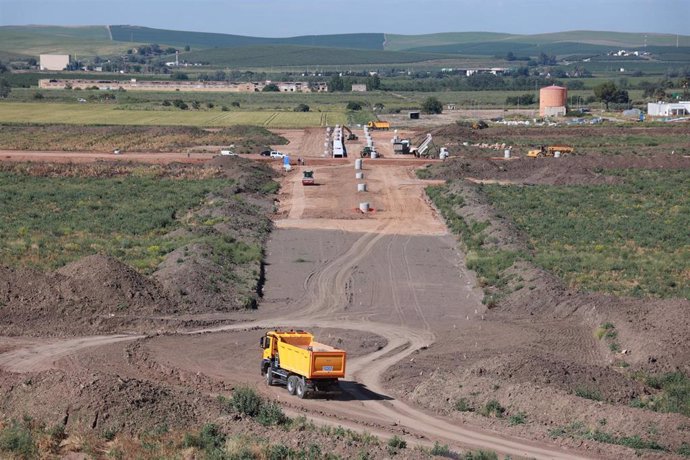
104, 114
48, 221
291, 55
626, 239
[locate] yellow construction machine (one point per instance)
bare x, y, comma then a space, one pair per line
550, 151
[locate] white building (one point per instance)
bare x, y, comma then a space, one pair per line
359, 88
668, 109
54, 61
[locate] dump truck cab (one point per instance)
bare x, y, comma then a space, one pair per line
294, 359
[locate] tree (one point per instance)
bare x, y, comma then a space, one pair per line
607, 92
271, 88
352, 105
180, 76
432, 105
302, 108
5, 89
336, 83
373, 82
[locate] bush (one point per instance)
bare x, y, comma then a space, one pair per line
442, 451
302, 108
271, 414
493, 408
246, 401
396, 442
354, 106
518, 419
462, 405
18, 440
432, 105
481, 455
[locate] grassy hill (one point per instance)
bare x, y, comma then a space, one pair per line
396, 42
35, 40
291, 55
217, 40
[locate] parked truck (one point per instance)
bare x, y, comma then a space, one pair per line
379, 125
294, 359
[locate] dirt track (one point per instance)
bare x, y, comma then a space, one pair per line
394, 273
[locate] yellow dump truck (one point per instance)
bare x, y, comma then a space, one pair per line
379, 125
294, 359
550, 151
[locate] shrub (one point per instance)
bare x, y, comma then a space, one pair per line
397, 442
481, 455
246, 401
442, 451
302, 108
209, 438
462, 405
493, 408
271, 414
432, 105
352, 105
518, 419
18, 440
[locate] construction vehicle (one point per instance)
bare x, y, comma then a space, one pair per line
550, 151
308, 177
294, 359
379, 125
350, 135
425, 148
480, 124
401, 146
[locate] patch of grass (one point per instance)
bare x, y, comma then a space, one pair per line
577, 430
588, 393
673, 394
684, 450
616, 238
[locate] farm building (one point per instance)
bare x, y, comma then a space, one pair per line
359, 88
668, 109
54, 61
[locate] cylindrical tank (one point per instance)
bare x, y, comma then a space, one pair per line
552, 96
361, 187
358, 164
506, 153
364, 207
359, 175
373, 154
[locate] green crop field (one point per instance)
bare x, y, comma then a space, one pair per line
104, 114
627, 239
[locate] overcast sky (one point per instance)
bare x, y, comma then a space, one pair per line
281, 18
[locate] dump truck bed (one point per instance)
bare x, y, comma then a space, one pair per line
313, 360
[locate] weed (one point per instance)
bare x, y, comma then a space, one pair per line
396, 442
684, 450
673, 396
481, 455
442, 450
17, 439
492, 408
271, 414
462, 405
518, 419
588, 393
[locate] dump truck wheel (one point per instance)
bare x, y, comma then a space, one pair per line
292, 384
301, 390
269, 377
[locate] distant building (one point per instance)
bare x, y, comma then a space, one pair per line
359, 88
668, 109
54, 61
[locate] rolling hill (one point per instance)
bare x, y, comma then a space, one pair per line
361, 48
293, 55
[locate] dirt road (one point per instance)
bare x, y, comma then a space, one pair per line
393, 273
